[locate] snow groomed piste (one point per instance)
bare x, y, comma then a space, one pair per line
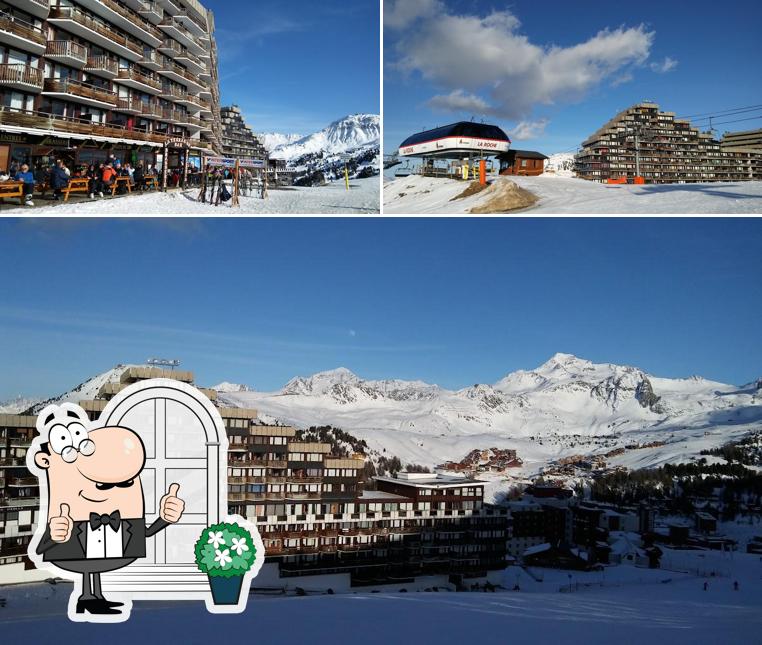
456, 140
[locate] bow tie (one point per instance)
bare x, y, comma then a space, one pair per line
114, 520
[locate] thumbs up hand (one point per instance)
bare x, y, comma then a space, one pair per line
61, 526
171, 506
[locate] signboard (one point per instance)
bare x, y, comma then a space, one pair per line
228, 162
447, 145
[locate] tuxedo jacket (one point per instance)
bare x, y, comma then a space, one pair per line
134, 534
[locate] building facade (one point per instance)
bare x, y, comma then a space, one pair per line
82, 79
320, 526
238, 139
746, 141
662, 149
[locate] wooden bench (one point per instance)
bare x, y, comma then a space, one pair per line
12, 189
76, 185
151, 182
125, 181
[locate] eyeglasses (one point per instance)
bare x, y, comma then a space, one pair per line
70, 453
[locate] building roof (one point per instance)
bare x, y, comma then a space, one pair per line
524, 154
369, 495
460, 129
429, 480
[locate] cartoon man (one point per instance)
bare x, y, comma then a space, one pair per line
96, 515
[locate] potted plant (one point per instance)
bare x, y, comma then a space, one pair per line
225, 552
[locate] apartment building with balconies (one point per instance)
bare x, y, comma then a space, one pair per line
82, 79
662, 149
238, 139
320, 525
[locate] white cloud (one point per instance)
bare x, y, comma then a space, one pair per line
528, 130
665, 66
399, 14
486, 66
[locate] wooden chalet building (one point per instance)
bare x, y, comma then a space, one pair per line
527, 163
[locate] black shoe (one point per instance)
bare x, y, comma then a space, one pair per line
111, 603
95, 606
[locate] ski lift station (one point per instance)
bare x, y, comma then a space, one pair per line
460, 143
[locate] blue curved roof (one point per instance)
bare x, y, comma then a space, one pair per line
460, 129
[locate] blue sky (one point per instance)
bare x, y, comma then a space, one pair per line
495, 60
297, 66
453, 302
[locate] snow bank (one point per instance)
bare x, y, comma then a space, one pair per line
362, 198
562, 195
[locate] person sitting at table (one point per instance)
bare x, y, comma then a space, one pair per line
59, 179
25, 175
92, 174
138, 177
107, 178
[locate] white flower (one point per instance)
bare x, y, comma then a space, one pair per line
216, 539
239, 546
223, 557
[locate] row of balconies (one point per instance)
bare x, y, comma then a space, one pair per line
84, 127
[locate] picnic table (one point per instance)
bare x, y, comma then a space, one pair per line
12, 189
76, 185
124, 181
151, 181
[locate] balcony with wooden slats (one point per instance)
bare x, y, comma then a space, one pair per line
180, 33
181, 75
70, 89
122, 16
20, 34
78, 22
21, 77
54, 123
103, 66
67, 52
138, 81
151, 60
37, 8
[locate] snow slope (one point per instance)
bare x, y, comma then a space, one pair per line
569, 195
363, 197
567, 406
560, 164
19, 404
351, 132
272, 140
624, 605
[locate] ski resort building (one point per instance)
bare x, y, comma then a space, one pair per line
321, 525
526, 163
746, 141
238, 139
643, 141
82, 79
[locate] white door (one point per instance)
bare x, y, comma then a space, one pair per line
186, 444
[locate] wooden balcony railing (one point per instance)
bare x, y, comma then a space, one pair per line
181, 71
53, 122
80, 17
102, 64
151, 57
129, 105
67, 48
134, 75
13, 25
170, 22
17, 73
133, 17
77, 88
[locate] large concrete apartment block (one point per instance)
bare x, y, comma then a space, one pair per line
82, 79
671, 150
321, 526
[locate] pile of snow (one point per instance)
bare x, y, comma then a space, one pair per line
350, 133
363, 197
562, 195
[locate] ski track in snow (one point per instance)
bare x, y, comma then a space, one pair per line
569, 195
362, 198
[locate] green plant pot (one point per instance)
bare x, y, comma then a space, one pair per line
225, 591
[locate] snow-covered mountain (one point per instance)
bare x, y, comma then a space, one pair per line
566, 406
17, 404
350, 133
272, 140
560, 164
